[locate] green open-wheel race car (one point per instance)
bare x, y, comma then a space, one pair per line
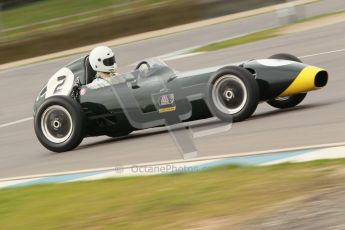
67, 110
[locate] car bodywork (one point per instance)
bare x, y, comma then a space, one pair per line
160, 95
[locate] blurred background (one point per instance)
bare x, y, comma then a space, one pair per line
34, 27
295, 196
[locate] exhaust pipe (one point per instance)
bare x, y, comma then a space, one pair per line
321, 79
310, 78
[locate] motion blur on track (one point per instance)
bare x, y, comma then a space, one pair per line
274, 197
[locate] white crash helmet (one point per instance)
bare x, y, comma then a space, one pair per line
102, 59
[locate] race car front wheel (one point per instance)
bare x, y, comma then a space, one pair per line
289, 101
60, 124
233, 94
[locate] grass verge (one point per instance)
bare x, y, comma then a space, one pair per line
261, 35
222, 197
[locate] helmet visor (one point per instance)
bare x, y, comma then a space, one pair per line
109, 61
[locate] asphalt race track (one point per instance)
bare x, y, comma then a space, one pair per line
318, 120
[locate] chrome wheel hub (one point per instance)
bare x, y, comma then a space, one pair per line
229, 94
56, 124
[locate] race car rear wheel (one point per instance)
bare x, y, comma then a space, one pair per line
60, 124
233, 93
284, 56
288, 101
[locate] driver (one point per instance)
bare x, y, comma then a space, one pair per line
102, 60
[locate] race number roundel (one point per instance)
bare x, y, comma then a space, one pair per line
61, 83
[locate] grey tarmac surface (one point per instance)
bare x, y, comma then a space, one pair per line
319, 120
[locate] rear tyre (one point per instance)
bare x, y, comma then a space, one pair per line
233, 94
289, 101
60, 124
284, 56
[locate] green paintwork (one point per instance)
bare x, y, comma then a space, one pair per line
106, 114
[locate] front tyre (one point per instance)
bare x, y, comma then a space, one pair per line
233, 94
289, 101
60, 124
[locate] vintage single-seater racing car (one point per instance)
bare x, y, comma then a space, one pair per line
153, 94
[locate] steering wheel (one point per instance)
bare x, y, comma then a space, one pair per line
143, 66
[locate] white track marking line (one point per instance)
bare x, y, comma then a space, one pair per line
195, 160
14, 182
181, 56
187, 52
323, 53
16, 122
318, 154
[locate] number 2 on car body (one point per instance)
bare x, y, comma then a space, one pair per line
61, 83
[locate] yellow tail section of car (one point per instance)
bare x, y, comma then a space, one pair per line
305, 81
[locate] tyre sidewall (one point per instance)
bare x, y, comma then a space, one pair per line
285, 56
252, 94
78, 124
292, 101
